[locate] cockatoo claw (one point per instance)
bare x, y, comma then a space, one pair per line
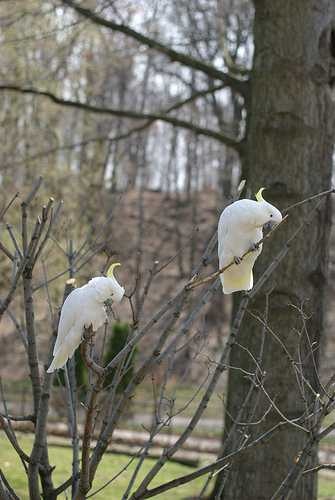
237, 260
254, 247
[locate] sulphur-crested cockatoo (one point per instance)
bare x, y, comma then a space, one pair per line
240, 228
82, 308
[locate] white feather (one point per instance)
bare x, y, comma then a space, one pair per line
240, 227
82, 308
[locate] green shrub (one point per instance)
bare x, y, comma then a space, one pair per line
116, 342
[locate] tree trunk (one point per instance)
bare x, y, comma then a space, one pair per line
289, 150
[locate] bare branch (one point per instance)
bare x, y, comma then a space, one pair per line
85, 348
6, 207
240, 86
6, 491
122, 113
208, 468
85, 482
118, 137
320, 467
311, 198
7, 252
14, 240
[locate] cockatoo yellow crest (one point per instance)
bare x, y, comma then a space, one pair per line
240, 228
259, 196
110, 272
82, 308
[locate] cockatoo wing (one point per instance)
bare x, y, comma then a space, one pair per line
97, 316
223, 230
67, 347
69, 315
80, 309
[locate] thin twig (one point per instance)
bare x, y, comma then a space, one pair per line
314, 197
319, 467
6, 207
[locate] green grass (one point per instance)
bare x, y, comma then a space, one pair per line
111, 465
326, 487
186, 398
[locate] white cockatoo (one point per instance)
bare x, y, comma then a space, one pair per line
83, 307
240, 228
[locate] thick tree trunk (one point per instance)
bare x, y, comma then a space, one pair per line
289, 150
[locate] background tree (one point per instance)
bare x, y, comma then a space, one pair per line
289, 149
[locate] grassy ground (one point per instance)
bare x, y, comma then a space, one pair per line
185, 397
327, 488
111, 465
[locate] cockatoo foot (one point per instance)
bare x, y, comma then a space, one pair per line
237, 260
254, 247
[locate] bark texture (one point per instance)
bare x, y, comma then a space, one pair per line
289, 150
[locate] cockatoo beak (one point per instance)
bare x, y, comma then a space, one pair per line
273, 222
269, 225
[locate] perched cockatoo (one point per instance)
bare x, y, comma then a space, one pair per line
82, 308
240, 228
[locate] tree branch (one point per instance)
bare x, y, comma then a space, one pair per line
124, 113
6, 207
208, 468
240, 86
320, 467
6, 491
118, 137
84, 482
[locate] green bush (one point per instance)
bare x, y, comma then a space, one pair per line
116, 342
